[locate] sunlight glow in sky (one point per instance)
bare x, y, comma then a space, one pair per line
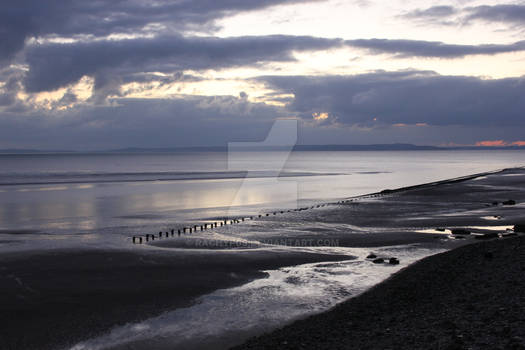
350, 70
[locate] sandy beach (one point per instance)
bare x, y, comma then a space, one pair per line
56, 298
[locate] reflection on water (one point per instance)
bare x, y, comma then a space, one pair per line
129, 207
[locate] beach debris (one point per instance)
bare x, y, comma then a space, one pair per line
378, 261
371, 256
393, 261
509, 202
460, 231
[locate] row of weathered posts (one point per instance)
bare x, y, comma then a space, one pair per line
190, 229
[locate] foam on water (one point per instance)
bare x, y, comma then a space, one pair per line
227, 317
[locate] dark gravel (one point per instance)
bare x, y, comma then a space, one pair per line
472, 297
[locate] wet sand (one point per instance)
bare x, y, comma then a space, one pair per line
56, 298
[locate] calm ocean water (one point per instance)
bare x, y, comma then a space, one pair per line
123, 194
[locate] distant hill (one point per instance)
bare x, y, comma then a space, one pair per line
305, 148
379, 147
299, 148
31, 151
374, 147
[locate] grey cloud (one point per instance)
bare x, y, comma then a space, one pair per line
432, 12
56, 65
458, 109
512, 14
498, 13
189, 121
11, 77
419, 48
116, 62
406, 97
22, 19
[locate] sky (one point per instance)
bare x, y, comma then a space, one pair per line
91, 75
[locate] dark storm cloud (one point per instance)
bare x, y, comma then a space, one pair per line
23, 19
408, 97
189, 121
55, 65
419, 48
115, 62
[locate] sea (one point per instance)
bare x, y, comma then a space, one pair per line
130, 193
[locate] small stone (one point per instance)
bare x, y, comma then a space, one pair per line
393, 261
460, 231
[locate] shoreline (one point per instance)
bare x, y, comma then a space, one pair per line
379, 194
469, 297
436, 183
54, 299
